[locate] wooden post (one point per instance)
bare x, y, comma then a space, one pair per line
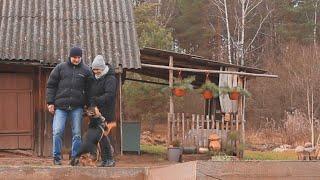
208, 130
222, 128
188, 124
171, 107
182, 128
169, 129
173, 127
178, 125
202, 130
231, 121
212, 121
213, 116
227, 127
39, 113
192, 129
217, 128
243, 111
120, 111
217, 131
237, 122
197, 134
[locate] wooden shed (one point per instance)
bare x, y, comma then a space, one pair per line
221, 114
36, 35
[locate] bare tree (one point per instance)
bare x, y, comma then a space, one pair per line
222, 6
315, 6
237, 40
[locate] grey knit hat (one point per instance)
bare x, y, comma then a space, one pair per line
98, 63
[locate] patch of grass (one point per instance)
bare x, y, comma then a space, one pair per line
153, 149
269, 155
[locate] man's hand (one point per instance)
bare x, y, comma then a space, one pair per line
51, 108
97, 112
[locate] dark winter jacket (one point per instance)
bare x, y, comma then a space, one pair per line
68, 85
103, 94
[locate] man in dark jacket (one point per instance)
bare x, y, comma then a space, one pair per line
67, 89
103, 95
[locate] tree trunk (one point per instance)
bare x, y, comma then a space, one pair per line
312, 119
315, 24
241, 45
228, 31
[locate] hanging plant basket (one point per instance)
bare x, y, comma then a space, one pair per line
236, 92
179, 92
207, 94
209, 89
234, 95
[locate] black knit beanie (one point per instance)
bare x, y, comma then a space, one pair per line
75, 51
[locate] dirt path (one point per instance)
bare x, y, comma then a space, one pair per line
127, 160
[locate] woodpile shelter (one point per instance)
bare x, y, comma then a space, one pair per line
221, 114
36, 35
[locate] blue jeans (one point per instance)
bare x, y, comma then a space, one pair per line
59, 122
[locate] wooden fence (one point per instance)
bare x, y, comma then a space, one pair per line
194, 130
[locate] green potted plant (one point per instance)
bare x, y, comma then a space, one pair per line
181, 86
209, 90
235, 92
174, 151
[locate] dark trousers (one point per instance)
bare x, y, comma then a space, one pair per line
106, 148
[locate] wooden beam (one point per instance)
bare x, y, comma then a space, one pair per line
144, 81
208, 71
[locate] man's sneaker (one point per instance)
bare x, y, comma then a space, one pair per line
108, 163
74, 162
57, 162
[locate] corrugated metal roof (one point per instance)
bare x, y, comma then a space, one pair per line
47, 29
185, 60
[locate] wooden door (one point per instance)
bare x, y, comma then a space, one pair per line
16, 111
